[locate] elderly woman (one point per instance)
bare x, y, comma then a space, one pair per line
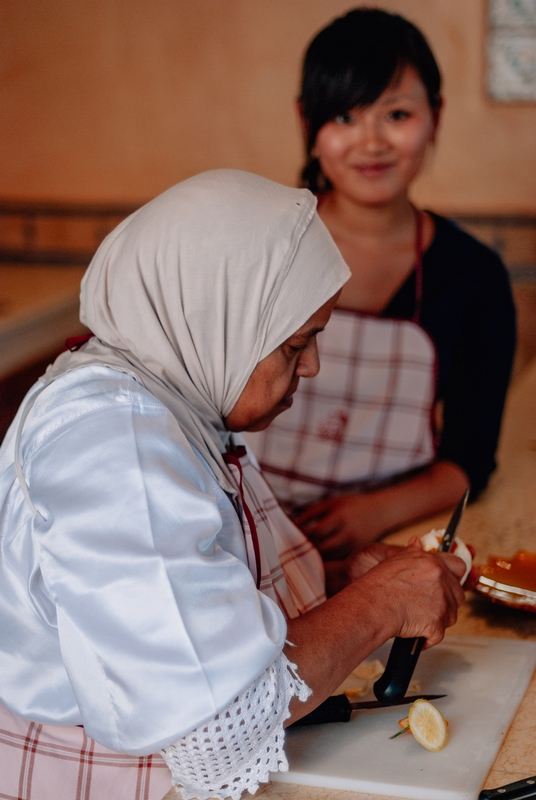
153, 597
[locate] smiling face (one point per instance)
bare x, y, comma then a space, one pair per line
274, 380
372, 154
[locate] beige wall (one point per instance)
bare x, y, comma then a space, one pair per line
118, 99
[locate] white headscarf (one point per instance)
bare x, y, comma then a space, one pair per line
191, 291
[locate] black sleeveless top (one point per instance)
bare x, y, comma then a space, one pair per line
468, 311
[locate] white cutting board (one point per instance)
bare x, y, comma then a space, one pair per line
485, 680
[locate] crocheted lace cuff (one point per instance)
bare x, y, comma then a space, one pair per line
240, 746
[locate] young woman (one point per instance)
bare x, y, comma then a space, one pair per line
148, 580
406, 410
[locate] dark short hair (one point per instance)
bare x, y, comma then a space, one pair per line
350, 63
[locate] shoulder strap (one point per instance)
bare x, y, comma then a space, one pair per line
232, 460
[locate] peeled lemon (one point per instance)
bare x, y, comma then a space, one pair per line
432, 540
427, 725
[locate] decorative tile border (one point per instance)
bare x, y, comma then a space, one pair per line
511, 50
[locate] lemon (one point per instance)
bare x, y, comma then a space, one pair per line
427, 725
369, 670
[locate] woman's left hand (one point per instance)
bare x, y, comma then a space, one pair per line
339, 525
341, 573
344, 523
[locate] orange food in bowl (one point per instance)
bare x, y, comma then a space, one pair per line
518, 571
510, 581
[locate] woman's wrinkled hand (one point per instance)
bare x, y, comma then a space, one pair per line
339, 525
400, 591
420, 592
343, 572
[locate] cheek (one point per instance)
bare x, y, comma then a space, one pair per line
331, 142
412, 142
275, 382
280, 385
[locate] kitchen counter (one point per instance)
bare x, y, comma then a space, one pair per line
500, 522
39, 309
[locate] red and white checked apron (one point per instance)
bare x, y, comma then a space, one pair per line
284, 563
49, 762
365, 418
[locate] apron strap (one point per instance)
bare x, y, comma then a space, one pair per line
232, 459
418, 264
74, 343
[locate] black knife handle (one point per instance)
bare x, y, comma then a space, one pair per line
393, 684
336, 708
520, 790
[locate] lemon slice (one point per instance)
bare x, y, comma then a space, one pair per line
369, 670
427, 725
355, 692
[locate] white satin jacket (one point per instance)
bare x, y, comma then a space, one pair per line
126, 603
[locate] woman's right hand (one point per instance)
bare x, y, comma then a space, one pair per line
421, 591
407, 592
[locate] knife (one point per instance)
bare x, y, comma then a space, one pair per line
338, 708
393, 684
520, 790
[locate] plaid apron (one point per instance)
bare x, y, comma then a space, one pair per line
49, 762
284, 563
364, 419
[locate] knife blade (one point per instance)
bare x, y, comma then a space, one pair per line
450, 532
520, 790
338, 708
394, 682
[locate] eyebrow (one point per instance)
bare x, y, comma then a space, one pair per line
307, 334
395, 98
